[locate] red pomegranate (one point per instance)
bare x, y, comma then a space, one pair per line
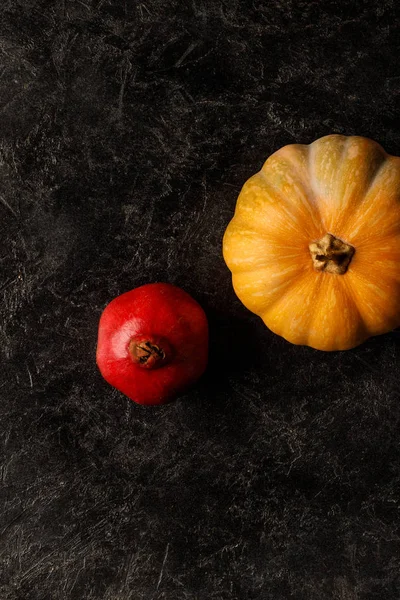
152, 343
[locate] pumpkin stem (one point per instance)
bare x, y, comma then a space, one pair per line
149, 352
331, 254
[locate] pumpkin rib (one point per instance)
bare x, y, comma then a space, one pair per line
310, 161
350, 292
315, 292
274, 315
275, 292
239, 227
245, 268
378, 313
374, 239
285, 206
344, 153
274, 230
316, 148
355, 217
290, 208
384, 157
294, 224
256, 248
376, 203
375, 152
382, 255
343, 333
311, 203
314, 314
342, 175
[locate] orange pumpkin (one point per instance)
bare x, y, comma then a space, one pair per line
314, 244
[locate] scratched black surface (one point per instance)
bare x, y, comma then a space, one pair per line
127, 130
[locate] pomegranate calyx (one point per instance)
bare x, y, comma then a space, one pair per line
148, 352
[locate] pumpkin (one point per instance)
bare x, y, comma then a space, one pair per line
314, 244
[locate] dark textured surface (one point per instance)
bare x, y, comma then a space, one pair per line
127, 130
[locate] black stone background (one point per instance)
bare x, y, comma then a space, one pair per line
127, 130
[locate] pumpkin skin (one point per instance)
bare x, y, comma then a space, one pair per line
348, 187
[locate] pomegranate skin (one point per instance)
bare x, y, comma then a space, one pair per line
152, 343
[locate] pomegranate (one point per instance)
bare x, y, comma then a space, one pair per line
152, 343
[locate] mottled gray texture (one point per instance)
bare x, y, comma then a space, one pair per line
127, 130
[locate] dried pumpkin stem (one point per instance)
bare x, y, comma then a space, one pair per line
331, 254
